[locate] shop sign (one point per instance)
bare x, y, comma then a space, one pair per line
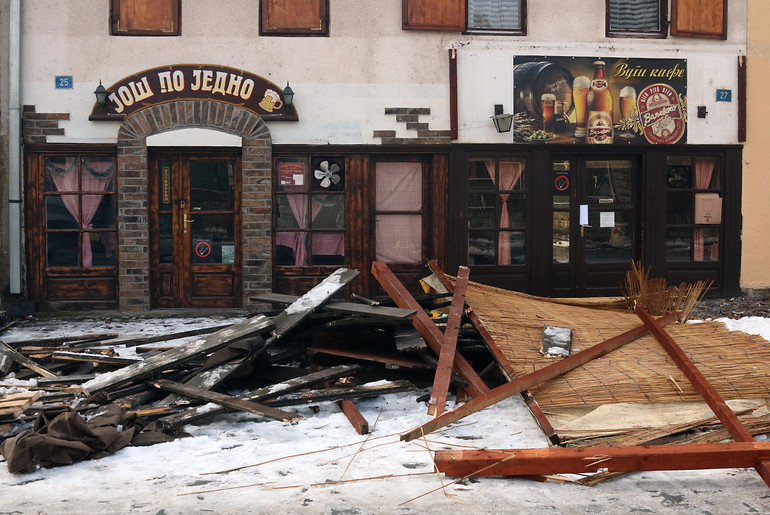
582, 100
194, 82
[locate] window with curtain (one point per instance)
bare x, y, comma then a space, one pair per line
398, 212
309, 211
80, 211
636, 18
693, 208
483, 16
144, 17
497, 211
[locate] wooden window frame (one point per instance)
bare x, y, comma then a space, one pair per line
54, 288
661, 33
265, 28
115, 29
455, 18
676, 8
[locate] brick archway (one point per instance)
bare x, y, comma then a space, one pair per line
133, 192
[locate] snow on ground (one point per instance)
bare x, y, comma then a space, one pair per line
320, 464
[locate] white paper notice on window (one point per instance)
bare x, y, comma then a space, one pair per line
607, 219
583, 214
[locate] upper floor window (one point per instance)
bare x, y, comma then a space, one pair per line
636, 18
483, 16
647, 18
291, 18
145, 18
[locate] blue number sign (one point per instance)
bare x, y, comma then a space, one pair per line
64, 82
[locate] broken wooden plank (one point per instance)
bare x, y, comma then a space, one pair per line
354, 416
59, 340
391, 362
408, 339
507, 369
582, 460
225, 400
446, 359
23, 360
349, 308
528, 381
423, 323
729, 420
94, 358
283, 322
334, 394
14, 405
72, 379
187, 351
134, 340
267, 392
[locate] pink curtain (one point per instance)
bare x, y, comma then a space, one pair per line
398, 232
510, 173
297, 241
96, 176
704, 169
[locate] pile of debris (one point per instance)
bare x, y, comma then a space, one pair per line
486, 345
315, 349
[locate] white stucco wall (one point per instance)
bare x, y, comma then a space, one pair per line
344, 82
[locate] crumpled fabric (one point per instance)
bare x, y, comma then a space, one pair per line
61, 436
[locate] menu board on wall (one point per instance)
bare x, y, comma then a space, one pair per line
584, 100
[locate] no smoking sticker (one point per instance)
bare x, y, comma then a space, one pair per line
202, 249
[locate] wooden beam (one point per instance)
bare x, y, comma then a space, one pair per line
349, 308
581, 460
427, 328
261, 394
729, 420
438, 395
225, 400
389, 361
335, 394
185, 352
500, 358
547, 373
354, 416
11, 354
93, 358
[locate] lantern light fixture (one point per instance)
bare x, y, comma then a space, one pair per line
502, 121
288, 95
101, 95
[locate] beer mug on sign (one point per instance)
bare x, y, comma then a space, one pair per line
272, 100
548, 103
627, 105
579, 92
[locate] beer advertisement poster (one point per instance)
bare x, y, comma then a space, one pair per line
601, 100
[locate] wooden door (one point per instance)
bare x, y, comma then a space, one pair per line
400, 219
195, 229
596, 227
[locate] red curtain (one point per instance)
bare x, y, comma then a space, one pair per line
704, 169
95, 177
510, 173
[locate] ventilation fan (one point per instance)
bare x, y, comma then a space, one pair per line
328, 174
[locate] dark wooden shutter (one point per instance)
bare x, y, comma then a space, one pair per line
292, 17
145, 17
699, 18
434, 15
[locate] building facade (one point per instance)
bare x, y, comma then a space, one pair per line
260, 146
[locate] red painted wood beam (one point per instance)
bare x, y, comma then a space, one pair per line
425, 326
354, 416
729, 420
532, 404
533, 379
446, 358
577, 460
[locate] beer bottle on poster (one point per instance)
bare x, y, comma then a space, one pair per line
599, 105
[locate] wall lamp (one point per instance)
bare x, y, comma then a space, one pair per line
288, 95
502, 121
101, 95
